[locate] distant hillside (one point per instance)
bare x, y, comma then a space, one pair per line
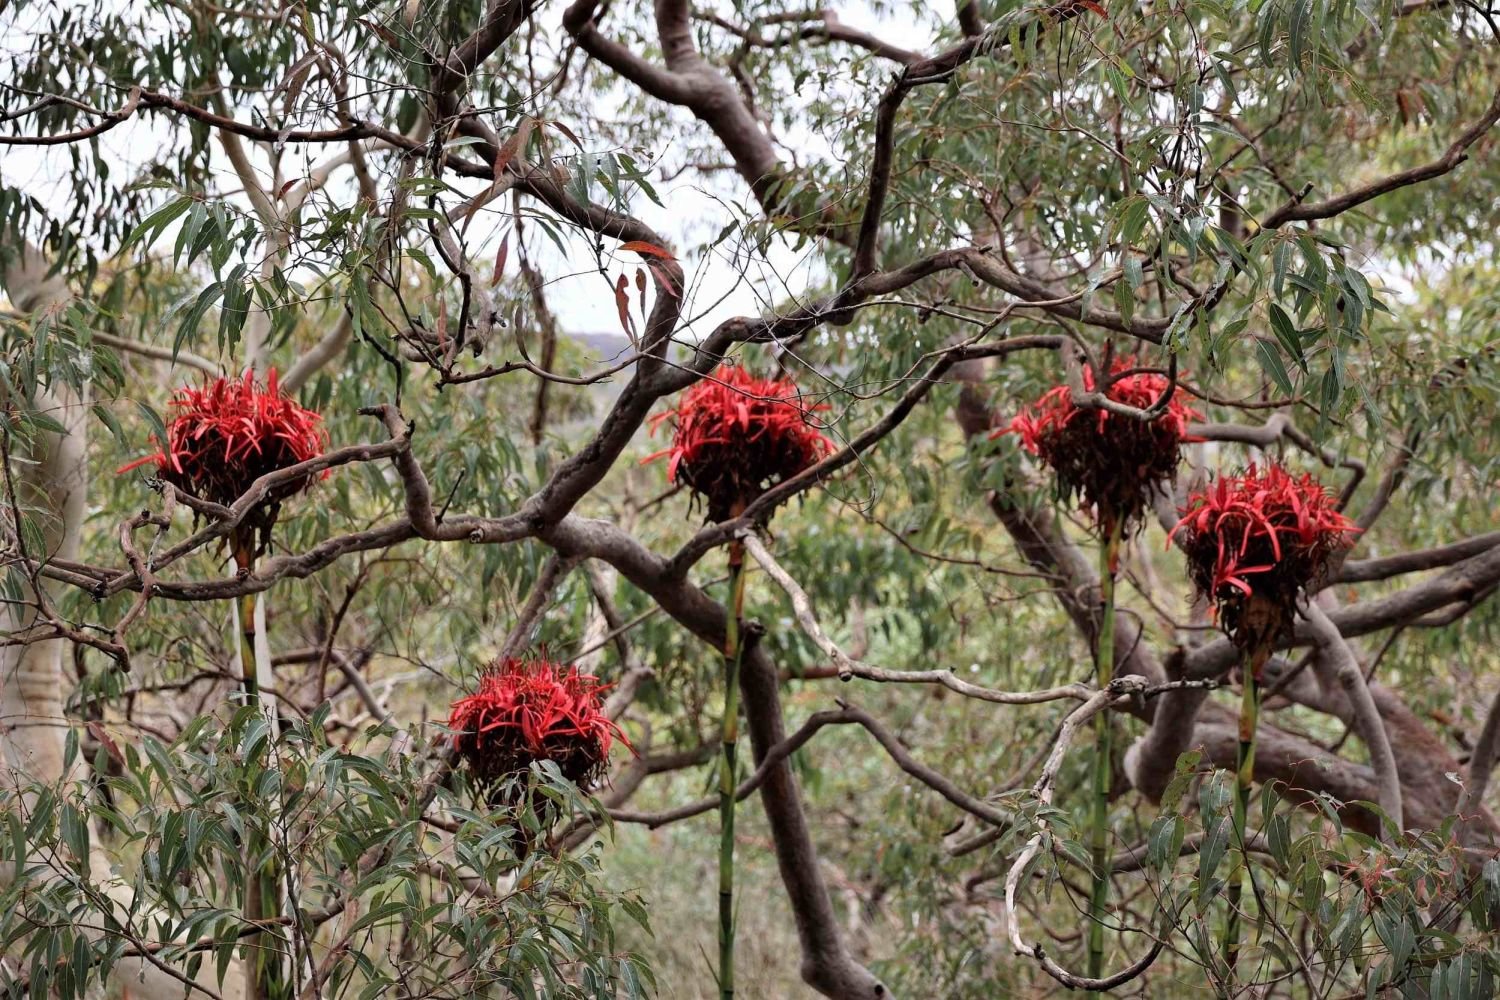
605, 347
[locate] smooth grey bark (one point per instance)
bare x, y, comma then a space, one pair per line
1367, 721
52, 484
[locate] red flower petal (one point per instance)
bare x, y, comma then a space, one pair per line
530, 710
1285, 528
227, 433
1112, 462
735, 435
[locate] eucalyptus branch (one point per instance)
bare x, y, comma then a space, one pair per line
1368, 723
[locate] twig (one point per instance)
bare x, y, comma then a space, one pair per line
1043, 790
850, 668
555, 568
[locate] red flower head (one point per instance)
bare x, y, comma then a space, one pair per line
1255, 542
228, 433
1111, 462
532, 710
737, 435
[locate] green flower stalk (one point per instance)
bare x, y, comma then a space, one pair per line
1255, 544
1244, 782
266, 958
729, 740
225, 435
1114, 463
735, 436
1104, 673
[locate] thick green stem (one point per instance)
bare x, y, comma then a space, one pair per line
1244, 775
266, 976
247, 650
1104, 670
733, 649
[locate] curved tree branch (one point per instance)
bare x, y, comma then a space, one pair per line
1367, 721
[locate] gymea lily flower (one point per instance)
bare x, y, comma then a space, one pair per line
735, 436
1257, 541
1110, 462
526, 711
227, 433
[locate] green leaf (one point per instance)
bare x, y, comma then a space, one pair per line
1278, 838
1270, 362
188, 326
1281, 257
157, 221
1286, 335
1332, 392
189, 232
1133, 213
1211, 852
1297, 31
233, 312
1183, 775
43, 422
1165, 841
153, 419
103, 414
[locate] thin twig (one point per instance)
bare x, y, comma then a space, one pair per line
1043, 790
850, 668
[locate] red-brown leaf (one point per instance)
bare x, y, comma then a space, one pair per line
500, 256
664, 279
649, 249
622, 302
513, 146
110, 746
567, 132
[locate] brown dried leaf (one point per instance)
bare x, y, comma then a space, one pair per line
96, 730
500, 256
648, 249
622, 302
